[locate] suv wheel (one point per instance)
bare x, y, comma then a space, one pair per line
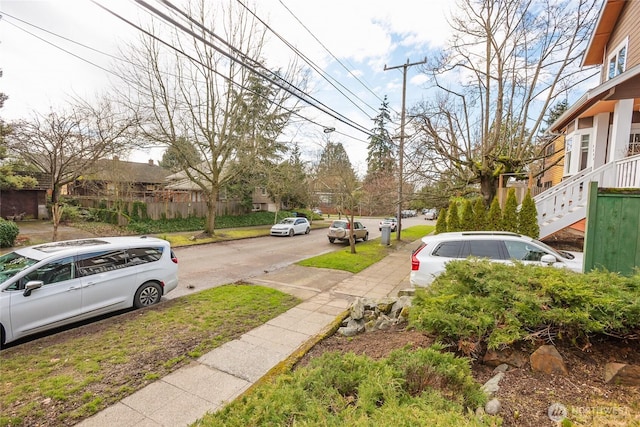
331, 239
366, 237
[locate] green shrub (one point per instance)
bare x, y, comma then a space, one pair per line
528, 217
467, 221
194, 223
441, 223
8, 233
453, 218
480, 214
425, 387
477, 304
510, 213
494, 217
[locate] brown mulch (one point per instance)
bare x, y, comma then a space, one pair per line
525, 396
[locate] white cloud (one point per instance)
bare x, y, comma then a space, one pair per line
364, 35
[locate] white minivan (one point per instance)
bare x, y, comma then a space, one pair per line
54, 284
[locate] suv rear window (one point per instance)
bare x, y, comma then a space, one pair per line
339, 224
449, 249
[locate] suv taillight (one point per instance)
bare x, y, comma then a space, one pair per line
415, 263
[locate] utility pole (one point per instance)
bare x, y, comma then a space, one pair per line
401, 146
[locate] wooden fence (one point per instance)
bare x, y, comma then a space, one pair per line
170, 210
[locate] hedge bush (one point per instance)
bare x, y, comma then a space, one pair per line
8, 233
422, 387
478, 304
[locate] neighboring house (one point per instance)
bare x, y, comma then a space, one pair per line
602, 129
27, 203
553, 164
180, 189
120, 180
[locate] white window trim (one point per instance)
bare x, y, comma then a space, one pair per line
614, 54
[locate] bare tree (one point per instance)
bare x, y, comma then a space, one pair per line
510, 60
66, 144
207, 85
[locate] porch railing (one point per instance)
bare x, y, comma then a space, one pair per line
566, 203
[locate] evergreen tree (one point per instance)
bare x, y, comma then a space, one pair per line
528, 217
441, 223
453, 218
467, 221
510, 213
380, 154
494, 218
180, 155
479, 215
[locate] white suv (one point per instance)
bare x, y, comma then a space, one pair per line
54, 284
429, 260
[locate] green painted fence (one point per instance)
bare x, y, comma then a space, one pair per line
612, 237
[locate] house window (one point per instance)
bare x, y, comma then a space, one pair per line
634, 144
223, 194
584, 151
567, 155
618, 60
550, 149
263, 191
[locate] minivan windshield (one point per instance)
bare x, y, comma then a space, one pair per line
12, 264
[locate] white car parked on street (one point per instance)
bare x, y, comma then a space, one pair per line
291, 226
54, 284
429, 260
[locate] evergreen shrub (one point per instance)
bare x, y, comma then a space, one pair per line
510, 212
528, 217
441, 223
479, 304
494, 217
8, 233
453, 218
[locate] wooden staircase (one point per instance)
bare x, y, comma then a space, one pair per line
566, 203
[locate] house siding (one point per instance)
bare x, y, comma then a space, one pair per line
627, 26
554, 174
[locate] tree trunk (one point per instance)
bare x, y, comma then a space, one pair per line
210, 221
488, 188
352, 240
56, 213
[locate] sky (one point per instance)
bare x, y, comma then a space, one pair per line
353, 41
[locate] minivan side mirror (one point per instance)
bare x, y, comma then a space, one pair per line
31, 286
548, 259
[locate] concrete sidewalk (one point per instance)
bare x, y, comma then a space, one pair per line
220, 376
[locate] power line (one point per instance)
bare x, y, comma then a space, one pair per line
287, 86
312, 64
332, 55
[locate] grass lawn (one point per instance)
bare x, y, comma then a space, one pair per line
62, 378
190, 238
367, 253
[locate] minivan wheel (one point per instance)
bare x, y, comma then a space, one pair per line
147, 294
